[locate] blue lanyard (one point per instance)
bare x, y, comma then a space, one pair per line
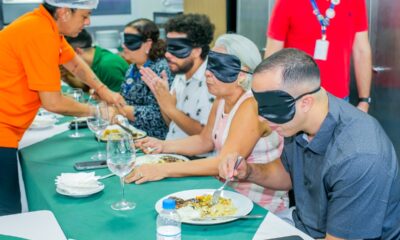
324, 21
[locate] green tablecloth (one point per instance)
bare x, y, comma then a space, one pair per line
4, 237
91, 217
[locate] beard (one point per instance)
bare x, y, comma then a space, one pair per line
182, 69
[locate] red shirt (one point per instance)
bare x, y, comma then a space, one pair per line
293, 22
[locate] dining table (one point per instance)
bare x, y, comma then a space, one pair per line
92, 217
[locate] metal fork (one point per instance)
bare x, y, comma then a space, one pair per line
217, 193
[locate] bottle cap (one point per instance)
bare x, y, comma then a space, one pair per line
168, 203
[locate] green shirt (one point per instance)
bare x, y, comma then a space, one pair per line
110, 68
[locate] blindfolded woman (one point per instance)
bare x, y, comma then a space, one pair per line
143, 48
233, 125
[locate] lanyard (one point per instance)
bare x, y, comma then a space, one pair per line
324, 21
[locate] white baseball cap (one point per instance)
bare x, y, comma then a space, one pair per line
79, 4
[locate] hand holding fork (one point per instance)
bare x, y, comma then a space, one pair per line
217, 193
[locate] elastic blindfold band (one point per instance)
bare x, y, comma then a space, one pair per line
225, 67
179, 47
133, 41
278, 106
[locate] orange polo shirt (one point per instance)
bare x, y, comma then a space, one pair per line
31, 50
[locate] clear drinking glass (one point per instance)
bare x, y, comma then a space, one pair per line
77, 95
97, 123
120, 160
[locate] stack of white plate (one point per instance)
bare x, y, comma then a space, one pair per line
108, 39
78, 184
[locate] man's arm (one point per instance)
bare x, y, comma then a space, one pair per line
186, 123
272, 46
271, 175
167, 120
363, 67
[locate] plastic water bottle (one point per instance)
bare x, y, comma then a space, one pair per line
168, 222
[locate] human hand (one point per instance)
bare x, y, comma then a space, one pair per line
158, 85
150, 145
227, 165
151, 78
363, 106
112, 112
166, 100
146, 173
112, 98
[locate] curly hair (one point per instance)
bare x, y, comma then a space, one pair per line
198, 27
149, 30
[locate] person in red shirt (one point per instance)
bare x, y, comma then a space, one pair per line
331, 31
32, 48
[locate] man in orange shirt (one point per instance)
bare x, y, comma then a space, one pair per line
32, 48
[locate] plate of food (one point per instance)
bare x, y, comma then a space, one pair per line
193, 205
159, 158
136, 133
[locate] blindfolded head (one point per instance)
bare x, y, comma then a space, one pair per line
225, 67
133, 41
179, 47
278, 106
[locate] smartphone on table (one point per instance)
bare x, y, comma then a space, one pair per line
88, 165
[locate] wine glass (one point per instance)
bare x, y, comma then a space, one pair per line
97, 123
120, 160
77, 95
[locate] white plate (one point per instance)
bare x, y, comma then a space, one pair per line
83, 194
42, 122
155, 158
119, 129
243, 204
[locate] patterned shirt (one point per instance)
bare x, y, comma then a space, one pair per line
266, 150
136, 93
192, 98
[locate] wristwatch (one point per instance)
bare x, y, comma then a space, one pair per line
365, 99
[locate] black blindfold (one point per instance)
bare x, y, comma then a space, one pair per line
179, 47
133, 41
278, 106
225, 67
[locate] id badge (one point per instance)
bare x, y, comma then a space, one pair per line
321, 49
